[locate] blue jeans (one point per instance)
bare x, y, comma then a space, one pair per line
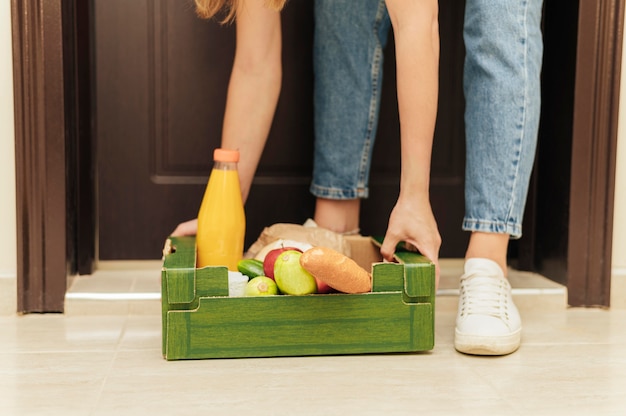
501, 82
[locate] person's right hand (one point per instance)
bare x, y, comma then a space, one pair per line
186, 228
413, 222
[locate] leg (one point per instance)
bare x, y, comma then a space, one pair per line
338, 215
502, 73
501, 80
348, 53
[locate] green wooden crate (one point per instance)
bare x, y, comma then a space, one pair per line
201, 321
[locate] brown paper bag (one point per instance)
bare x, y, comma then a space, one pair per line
314, 236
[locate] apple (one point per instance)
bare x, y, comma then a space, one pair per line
270, 259
280, 243
261, 286
322, 287
290, 277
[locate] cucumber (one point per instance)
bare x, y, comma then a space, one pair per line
251, 267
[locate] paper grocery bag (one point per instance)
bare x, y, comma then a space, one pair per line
315, 236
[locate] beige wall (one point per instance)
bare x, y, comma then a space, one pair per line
8, 256
7, 146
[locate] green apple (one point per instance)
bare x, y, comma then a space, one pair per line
290, 277
261, 286
270, 260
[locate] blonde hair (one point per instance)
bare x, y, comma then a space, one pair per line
207, 9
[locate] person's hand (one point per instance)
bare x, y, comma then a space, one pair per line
186, 228
413, 222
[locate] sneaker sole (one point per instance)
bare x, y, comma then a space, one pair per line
484, 345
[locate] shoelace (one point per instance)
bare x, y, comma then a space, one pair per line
484, 296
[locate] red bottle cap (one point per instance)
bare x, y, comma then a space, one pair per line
225, 155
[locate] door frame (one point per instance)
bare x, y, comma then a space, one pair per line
53, 153
55, 169
594, 145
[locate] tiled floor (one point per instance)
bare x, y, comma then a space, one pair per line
103, 357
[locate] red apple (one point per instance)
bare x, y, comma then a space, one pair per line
270, 259
322, 287
301, 245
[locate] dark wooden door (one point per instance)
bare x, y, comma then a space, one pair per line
160, 86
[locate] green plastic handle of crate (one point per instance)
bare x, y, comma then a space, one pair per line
419, 275
181, 286
418, 282
179, 260
419, 272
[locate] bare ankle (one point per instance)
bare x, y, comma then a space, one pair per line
341, 216
490, 246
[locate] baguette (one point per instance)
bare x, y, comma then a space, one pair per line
336, 270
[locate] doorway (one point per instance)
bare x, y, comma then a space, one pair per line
593, 104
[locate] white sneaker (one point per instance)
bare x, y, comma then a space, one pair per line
487, 323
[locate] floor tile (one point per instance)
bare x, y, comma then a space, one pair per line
103, 357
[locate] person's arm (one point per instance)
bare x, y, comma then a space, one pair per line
254, 86
253, 91
416, 33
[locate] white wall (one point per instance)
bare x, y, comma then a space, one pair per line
8, 256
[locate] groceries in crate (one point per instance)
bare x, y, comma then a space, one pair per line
316, 270
203, 318
298, 259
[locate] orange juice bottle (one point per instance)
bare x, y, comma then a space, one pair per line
221, 220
